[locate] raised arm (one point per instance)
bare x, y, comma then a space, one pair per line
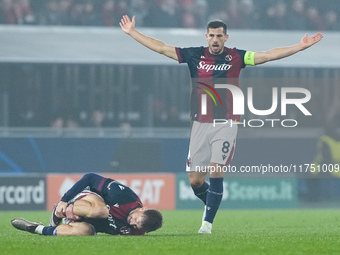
278, 53
128, 26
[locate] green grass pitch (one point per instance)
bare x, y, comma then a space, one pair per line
234, 232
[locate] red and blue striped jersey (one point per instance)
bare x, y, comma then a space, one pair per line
206, 70
119, 197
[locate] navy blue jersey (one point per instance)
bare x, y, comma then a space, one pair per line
112, 226
206, 70
119, 197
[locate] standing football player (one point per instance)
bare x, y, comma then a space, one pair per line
212, 146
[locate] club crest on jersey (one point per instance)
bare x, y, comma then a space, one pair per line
228, 57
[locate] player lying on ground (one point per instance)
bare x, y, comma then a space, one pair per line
212, 146
107, 206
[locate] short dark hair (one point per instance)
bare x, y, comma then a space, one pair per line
153, 220
217, 24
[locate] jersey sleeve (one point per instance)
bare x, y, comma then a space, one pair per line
91, 180
185, 54
247, 57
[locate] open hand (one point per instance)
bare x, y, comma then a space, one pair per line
126, 24
309, 41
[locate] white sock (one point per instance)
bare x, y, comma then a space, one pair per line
39, 229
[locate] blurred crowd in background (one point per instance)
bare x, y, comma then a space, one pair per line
239, 14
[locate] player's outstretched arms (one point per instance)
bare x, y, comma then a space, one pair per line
278, 53
128, 27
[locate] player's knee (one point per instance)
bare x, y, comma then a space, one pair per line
83, 229
196, 179
196, 182
88, 229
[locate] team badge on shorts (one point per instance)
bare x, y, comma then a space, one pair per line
189, 162
188, 166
